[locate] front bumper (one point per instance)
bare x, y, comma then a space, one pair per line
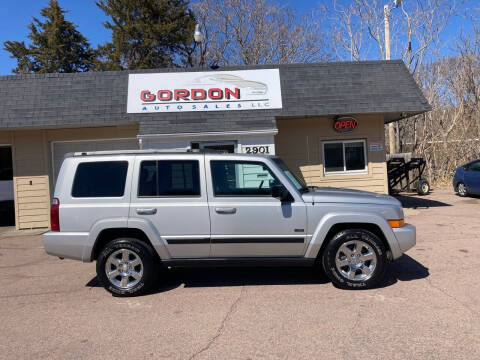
68, 245
406, 237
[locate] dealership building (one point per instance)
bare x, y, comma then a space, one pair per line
326, 120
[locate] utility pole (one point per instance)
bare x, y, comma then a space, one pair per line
391, 129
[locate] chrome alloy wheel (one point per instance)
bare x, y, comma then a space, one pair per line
356, 260
124, 268
462, 189
425, 188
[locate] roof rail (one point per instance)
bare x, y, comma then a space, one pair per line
143, 151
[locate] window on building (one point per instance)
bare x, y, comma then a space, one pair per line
344, 156
242, 178
100, 179
169, 178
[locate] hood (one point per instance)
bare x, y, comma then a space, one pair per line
337, 195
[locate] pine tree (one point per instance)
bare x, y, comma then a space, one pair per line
56, 45
146, 34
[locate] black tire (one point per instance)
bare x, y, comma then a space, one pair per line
338, 278
423, 187
462, 189
135, 248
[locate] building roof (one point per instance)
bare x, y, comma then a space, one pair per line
310, 89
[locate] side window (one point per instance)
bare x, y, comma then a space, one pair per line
242, 178
169, 178
474, 166
100, 179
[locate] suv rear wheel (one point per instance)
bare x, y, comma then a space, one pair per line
127, 267
355, 259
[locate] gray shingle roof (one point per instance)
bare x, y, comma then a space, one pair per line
313, 89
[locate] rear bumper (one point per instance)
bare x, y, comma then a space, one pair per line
406, 237
69, 245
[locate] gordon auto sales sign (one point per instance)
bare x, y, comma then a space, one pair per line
204, 91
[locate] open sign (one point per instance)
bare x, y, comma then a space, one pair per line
345, 124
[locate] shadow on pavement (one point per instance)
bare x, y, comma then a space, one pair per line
415, 202
232, 276
403, 269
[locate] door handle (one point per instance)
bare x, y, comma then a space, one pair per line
225, 210
150, 211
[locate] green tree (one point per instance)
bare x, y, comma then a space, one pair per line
146, 34
56, 45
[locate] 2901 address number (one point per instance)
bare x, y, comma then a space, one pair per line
257, 149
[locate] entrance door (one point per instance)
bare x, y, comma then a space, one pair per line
7, 209
246, 221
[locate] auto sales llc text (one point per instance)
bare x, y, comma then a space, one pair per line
217, 106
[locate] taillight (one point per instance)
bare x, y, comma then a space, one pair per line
55, 215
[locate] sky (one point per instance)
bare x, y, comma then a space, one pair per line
15, 16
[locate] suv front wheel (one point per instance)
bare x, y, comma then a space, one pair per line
355, 259
126, 267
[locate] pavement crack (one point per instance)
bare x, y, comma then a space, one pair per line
221, 328
451, 296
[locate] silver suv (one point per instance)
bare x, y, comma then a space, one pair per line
135, 212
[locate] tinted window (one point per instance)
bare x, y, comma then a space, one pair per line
100, 179
354, 156
239, 178
169, 178
474, 166
344, 156
333, 157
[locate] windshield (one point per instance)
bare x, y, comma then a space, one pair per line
298, 182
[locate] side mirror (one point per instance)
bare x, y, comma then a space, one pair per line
280, 192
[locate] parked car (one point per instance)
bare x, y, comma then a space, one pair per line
136, 211
466, 180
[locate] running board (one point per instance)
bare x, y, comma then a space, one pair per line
239, 261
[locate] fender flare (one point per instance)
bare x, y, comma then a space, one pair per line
331, 219
157, 241
146, 226
95, 230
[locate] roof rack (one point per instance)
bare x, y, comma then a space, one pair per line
143, 151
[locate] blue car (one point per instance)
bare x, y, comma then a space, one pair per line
466, 180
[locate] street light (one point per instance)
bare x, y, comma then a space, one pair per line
198, 37
386, 13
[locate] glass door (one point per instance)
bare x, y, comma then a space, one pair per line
7, 209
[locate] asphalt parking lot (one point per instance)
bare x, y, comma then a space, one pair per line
427, 308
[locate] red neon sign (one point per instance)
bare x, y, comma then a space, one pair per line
345, 124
